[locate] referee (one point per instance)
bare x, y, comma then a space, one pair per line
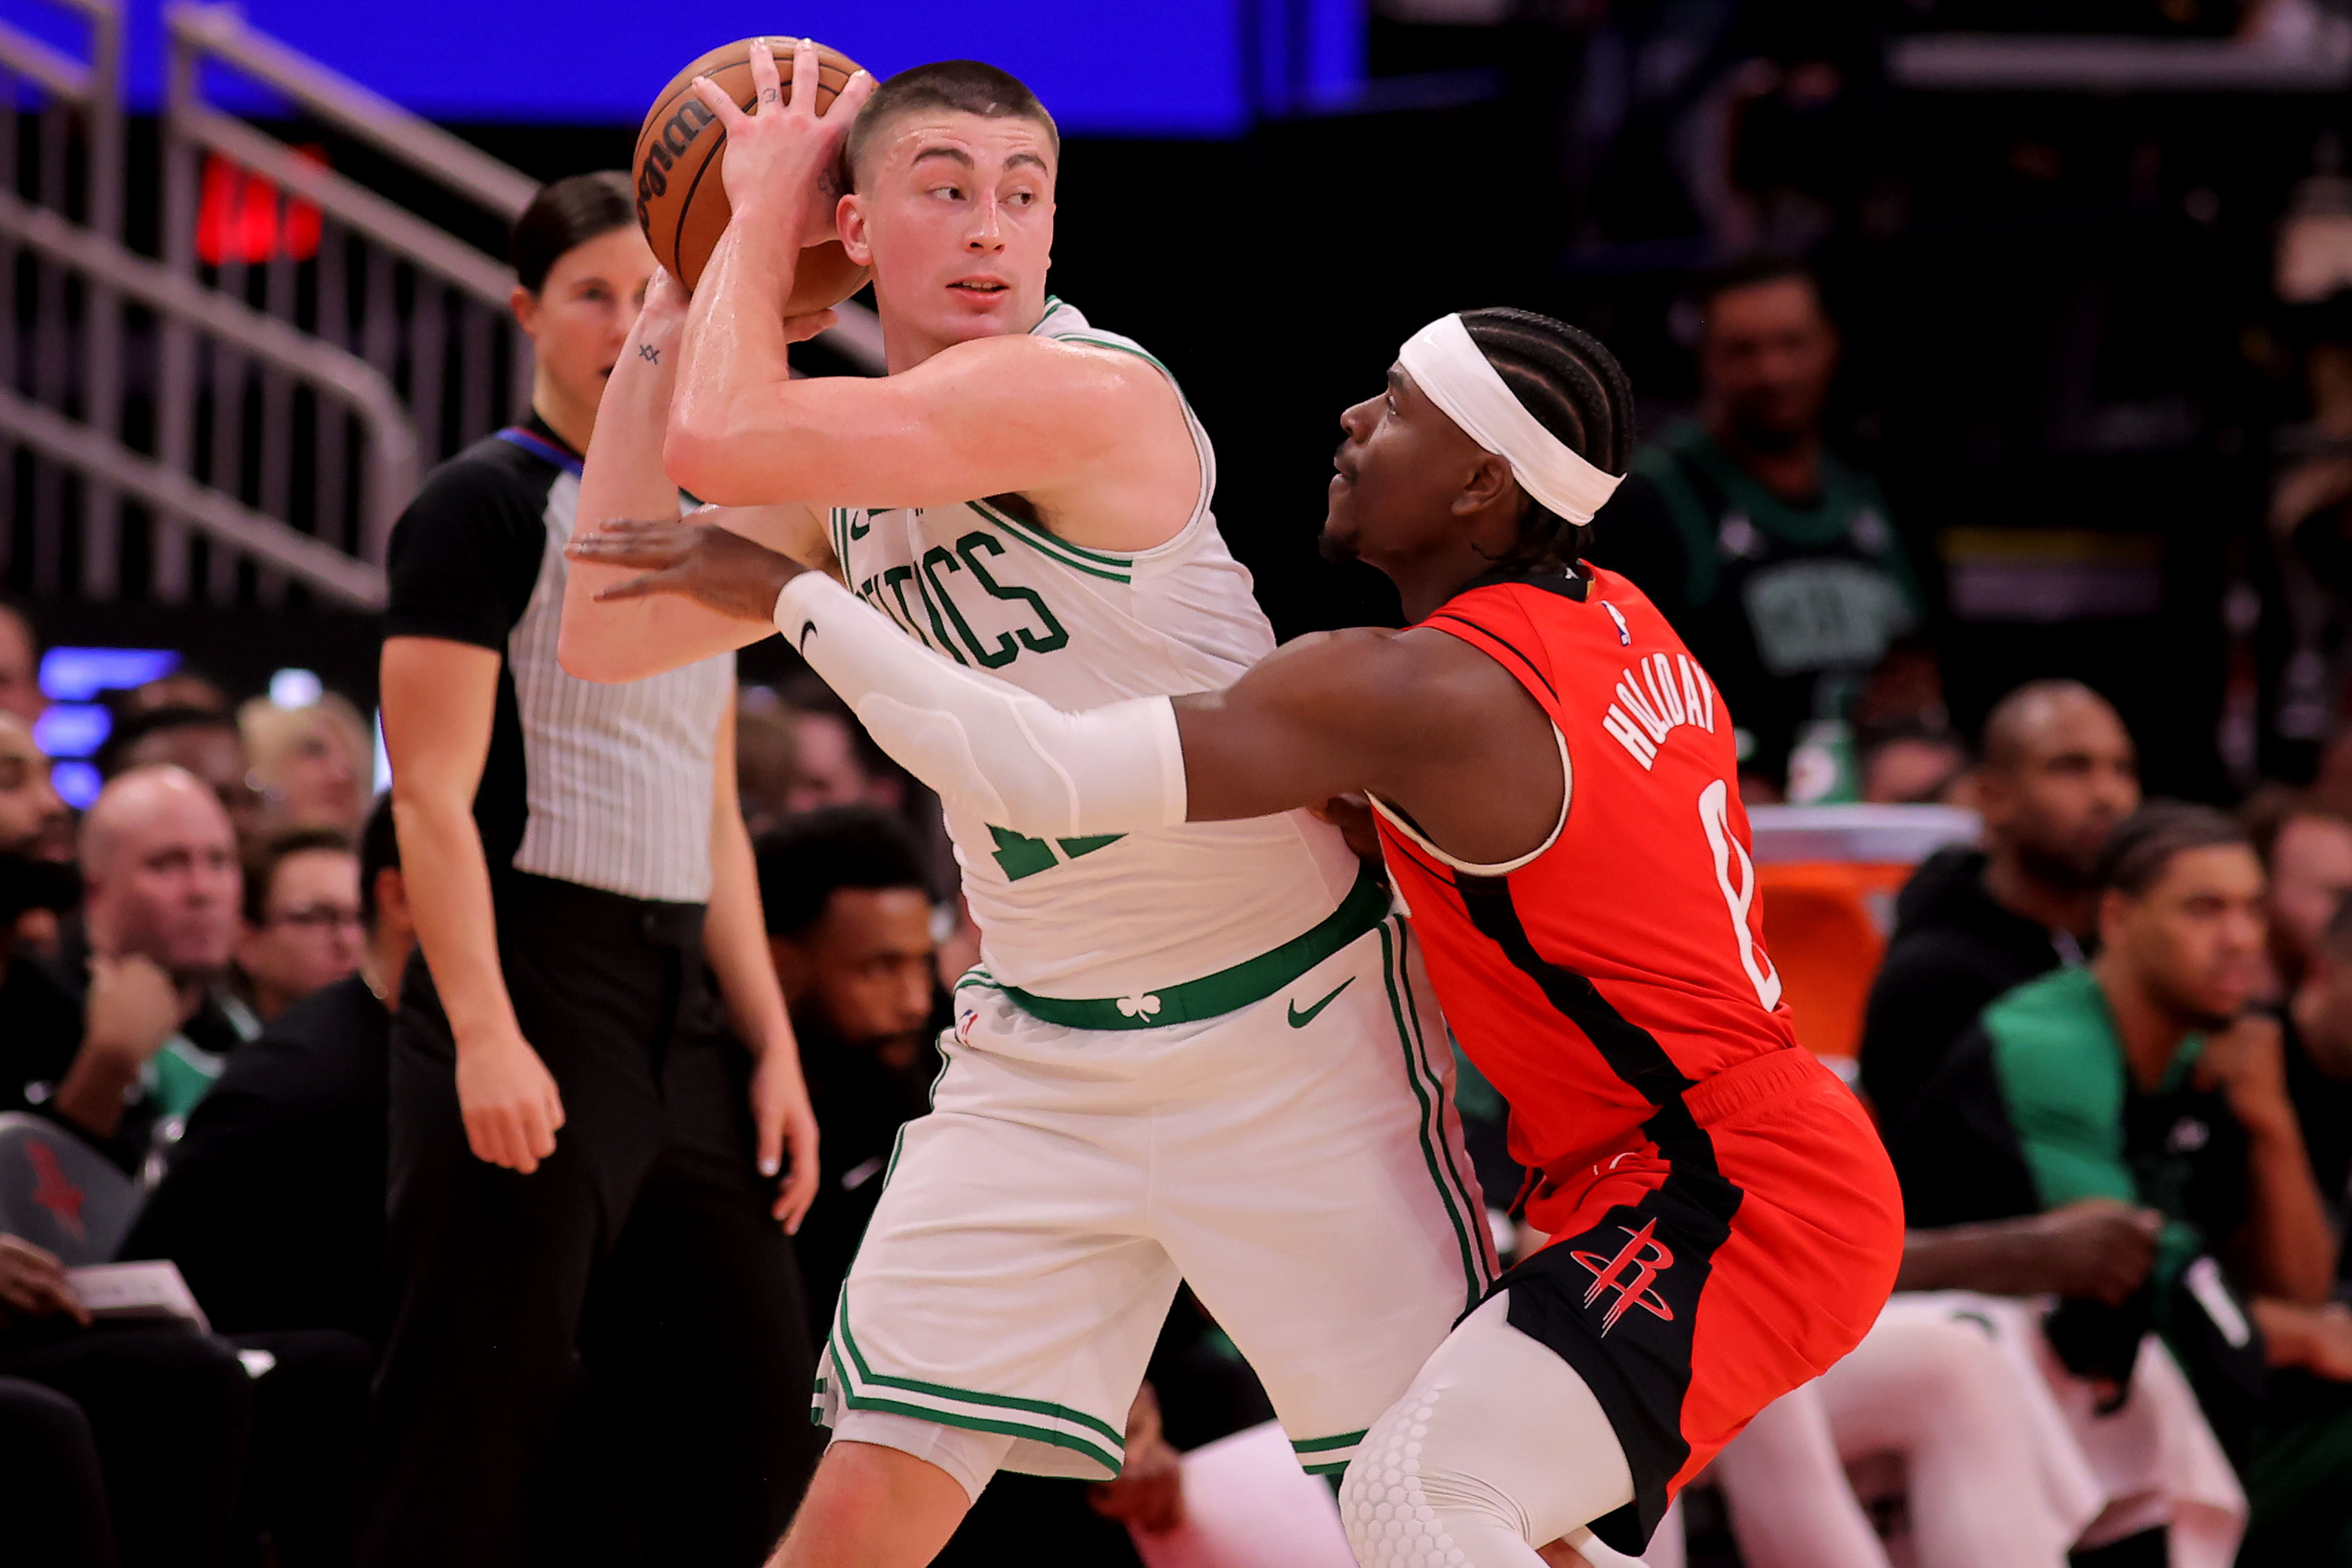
583, 1255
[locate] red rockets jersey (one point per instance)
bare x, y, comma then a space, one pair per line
1594, 979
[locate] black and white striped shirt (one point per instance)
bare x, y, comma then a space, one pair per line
606, 785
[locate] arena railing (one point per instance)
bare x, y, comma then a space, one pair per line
388, 478
85, 96
448, 339
334, 259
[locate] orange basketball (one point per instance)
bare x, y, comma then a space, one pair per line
681, 202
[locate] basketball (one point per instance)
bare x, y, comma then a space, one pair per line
681, 202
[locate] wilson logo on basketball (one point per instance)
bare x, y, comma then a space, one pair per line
677, 133
1629, 1273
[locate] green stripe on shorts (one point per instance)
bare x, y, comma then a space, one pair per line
971, 1409
1428, 1087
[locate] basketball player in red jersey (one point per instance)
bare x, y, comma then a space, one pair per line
1553, 778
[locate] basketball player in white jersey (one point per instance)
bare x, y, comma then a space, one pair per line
1200, 1052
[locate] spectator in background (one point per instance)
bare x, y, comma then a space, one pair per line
303, 909
170, 1412
183, 688
2059, 772
1775, 561
2306, 848
315, 764
836, 762
849, 905
20, 662
2139, 1079
1911, 764
767, 760
158, 928
40, 1018
2317, 1022
273, 1202
205, 743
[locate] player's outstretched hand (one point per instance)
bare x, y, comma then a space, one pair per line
710, 565
780, 156
508, 1102
785, 1127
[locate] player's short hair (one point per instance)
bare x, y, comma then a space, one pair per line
2144, 843
967, 86
261, 866
1577, 389
567, 212
379, 852
803, 863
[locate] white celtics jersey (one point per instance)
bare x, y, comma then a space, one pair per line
1117, 915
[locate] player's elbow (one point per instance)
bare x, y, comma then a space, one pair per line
703, 458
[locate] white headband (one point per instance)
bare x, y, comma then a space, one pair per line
1447, 365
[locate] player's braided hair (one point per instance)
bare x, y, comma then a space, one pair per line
1575, 390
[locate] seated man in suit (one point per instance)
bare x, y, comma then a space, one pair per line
273, 1202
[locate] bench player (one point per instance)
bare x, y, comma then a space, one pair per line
1196, 1050
1553, 777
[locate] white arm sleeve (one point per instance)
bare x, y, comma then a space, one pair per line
986, 745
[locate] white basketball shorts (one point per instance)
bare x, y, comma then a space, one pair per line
1297, 1159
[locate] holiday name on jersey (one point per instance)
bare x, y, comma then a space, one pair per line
1653, 696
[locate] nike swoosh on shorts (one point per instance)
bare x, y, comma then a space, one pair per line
1301, 1020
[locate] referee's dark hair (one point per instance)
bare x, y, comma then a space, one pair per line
379, 852
261, 868
2145, 842
567, 212
1577, 389
803, 863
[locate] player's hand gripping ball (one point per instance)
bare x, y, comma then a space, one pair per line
682, 202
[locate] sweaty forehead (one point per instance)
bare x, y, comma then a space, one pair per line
991, 142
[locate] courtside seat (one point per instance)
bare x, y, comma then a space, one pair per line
61, 1194
1827, 876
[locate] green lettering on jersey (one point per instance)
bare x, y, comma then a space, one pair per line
1005, 650
1019, 856
1053, 636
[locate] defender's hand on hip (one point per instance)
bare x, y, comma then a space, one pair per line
708, 564
509, 1100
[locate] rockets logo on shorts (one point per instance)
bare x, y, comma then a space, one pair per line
1629, 1273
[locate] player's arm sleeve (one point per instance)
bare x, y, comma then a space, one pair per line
986, 745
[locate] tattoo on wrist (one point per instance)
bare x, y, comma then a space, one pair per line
647, 351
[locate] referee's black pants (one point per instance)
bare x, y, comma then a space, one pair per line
630, 1304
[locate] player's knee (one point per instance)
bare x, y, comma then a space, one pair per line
1407, 1504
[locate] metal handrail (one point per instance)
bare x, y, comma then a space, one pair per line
392, 441
221, 32
64, 76
96, 89
322, 565
393, 227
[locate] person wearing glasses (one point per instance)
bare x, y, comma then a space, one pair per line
301, 913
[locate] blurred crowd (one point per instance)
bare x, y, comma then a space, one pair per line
2110, 1048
